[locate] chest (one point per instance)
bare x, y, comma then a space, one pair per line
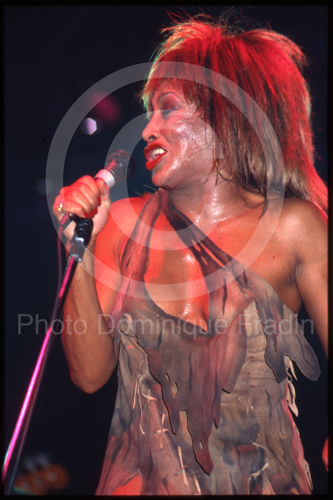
174, 275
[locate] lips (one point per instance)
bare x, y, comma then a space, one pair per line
154, 153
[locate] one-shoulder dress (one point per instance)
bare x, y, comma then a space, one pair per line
205, 412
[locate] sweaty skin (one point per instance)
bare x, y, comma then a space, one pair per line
180, 151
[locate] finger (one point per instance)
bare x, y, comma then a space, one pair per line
80, 194
59, 209
86, 185
104, 191
78, 204
91, 183
88, 193
92, 213
81, 198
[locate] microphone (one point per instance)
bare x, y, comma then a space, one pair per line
119, 165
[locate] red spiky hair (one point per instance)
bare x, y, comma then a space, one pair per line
268, 67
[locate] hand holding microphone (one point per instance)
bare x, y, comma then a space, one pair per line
88, 197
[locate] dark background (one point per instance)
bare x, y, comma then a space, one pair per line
52, 55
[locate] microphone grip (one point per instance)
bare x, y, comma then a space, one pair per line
107, 177
109, 180
119, 165
67, 219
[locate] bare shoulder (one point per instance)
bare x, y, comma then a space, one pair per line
302, 208
302, 217
122, 218
129, 205
304, 225
110, 244
124, 213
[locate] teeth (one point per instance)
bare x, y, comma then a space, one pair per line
157, 152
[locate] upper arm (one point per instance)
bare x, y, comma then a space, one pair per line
110, 243
312, 267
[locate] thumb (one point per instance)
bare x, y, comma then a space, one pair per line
104, 190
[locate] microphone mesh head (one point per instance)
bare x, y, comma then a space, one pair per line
125, 160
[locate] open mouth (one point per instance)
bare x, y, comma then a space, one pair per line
156, 152
153, 155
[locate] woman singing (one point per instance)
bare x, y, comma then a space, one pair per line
193, 292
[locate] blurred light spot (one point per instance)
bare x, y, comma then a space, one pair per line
106, 107
44, 186
89, 126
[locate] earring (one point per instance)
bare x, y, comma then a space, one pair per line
216, 163
221, 174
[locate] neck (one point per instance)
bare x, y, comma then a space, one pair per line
212, 202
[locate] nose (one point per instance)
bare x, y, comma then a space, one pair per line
151, 131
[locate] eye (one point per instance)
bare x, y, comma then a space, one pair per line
167, 104
166, 111
168, 108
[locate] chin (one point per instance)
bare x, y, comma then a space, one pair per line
164, 181
159, 181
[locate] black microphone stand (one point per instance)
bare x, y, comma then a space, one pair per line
79, 244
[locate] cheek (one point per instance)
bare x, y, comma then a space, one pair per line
182, 132
194, 138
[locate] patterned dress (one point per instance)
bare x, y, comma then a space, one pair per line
205, 412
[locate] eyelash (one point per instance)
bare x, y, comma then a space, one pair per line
163, 112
